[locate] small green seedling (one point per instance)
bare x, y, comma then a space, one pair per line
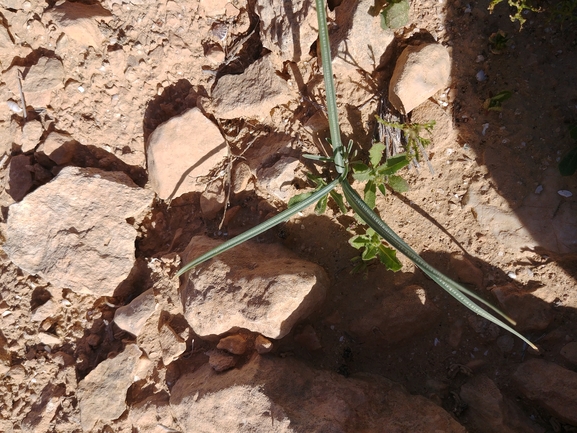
568, 164
373, 247
495, 103
395, 14
521, 7
498, 42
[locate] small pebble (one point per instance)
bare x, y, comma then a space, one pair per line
485, 127
539, 189
481, 76
14, 107
565, 193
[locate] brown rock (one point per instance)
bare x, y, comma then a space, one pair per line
180, 150
285, 395
489, 411
111, 378
44, 409
488, 331
262, 345
152, 415
550, 386
220, 360
420, 72
47, 74
530, 312
262, 288
278, 179
172, 344
132, 317
241, 175
212, 200
19, 179
465, 270
252, 94
235, 344
58, 147
31, 133
76, 237
569, 352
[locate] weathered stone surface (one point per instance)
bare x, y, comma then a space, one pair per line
252, 94
530, 312
401, 315
180, 150
172, 344
71, 233
44, 409
31, 133
152, 415
102, 393
285, 395
489, 411
46, 74
569, 352
241, 175
287, 29
550, 386
58, 147
212, 199
361, 40
79, 22
262, 288
278, 179
132, 317
420, 72
19, 179
235, 344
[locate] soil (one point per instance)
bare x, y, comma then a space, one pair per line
479, 157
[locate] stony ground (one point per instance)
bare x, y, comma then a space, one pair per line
154, 130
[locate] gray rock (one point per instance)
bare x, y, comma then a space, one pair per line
180, 150
263, 288
71, 233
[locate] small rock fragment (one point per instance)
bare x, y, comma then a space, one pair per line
569, 352
49, 339
212, 199
241, 175
420, 72
58, 147
262, 345
235, 344
565, 193
278, 179
31, 133
220, 360
171, 343
180, 150
132, 317
111, 378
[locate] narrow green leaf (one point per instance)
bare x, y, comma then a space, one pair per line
388, 257
398, 183
371, 194
321, 206
317, 158
294, 200
568, 165
376, 154
338, 198
382, 189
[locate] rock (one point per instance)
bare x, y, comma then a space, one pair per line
420, 72
152, 415
401, 315
44, 409
250, 95
260, 287
361, 40
235, 344
31, 133
489, 411
552, 387
262, 345
19, 179
488, 331
172, 344
47, 74
180, 150
214, 8
79, 22
285, 395
465, 271
288, 29
241, 175
530, 312
58, 147
212, 200
569, 352
308, 338
49, 339
132, 317
111, 378
71, 233
220, 360
278, 179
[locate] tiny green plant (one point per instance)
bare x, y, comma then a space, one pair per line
373, 246
521, 8
498, 42
340, 160
495, 103
568, 164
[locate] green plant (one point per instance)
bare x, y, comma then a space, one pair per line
568, 164
495, 103
395, 14
358, 205
521, 6
565, 10
498, 42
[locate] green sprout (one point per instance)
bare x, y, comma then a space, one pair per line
495, 103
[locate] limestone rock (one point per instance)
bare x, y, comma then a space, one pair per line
401, 315
132, 317
420, 72
489, 411
550, 386
235, 344
47, 74
71, 233
44, 409
252, 94
102, 393
58, 147
288, 29
285, 395
180, 150
152, 415
79, 22
31, 133
278, 179
262, 288
241, 175
19, 179
530, 312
